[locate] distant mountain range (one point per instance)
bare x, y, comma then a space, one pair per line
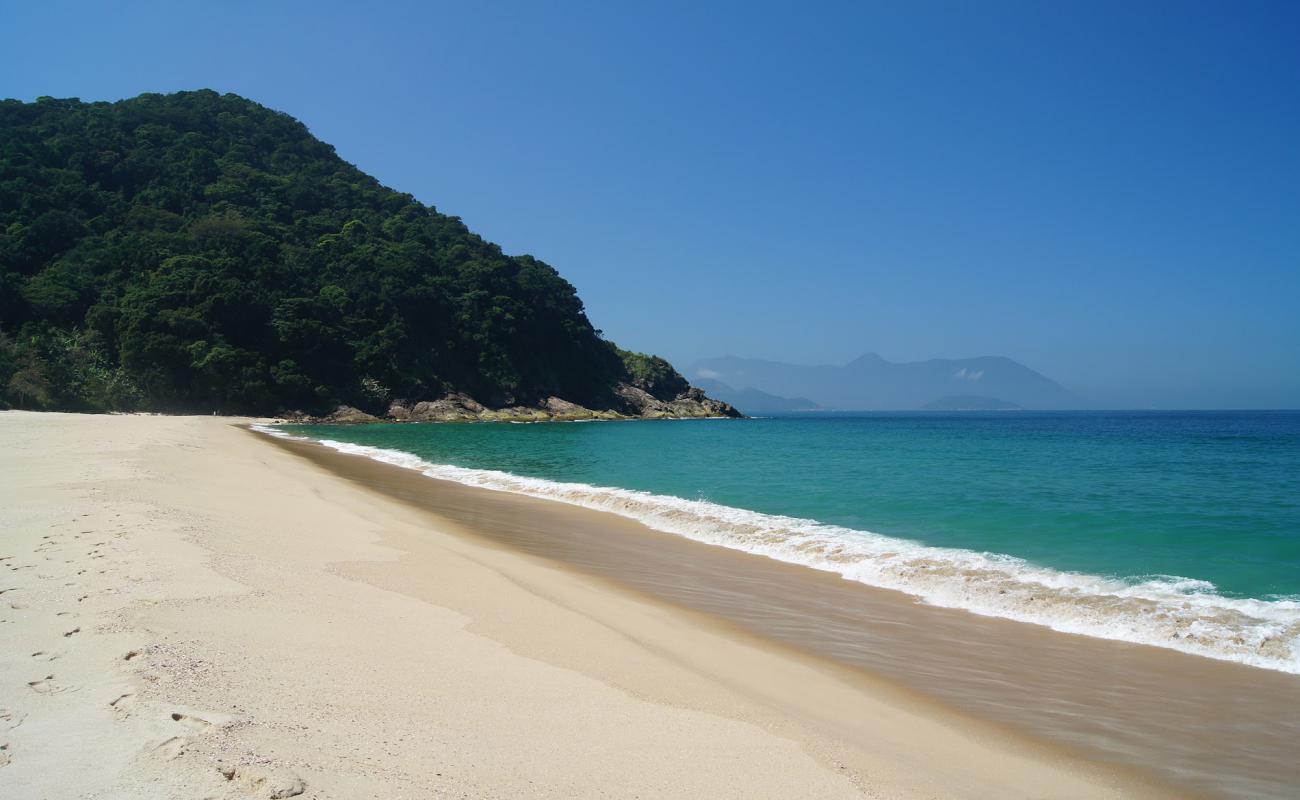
754, 401
872, 383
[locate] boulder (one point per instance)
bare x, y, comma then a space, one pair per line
347, 415
452, 407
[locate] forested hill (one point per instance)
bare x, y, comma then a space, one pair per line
199, 252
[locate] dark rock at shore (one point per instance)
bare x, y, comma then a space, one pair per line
629, 402
453, 407
347, 415
692, 402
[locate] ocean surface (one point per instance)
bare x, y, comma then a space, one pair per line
1174, 529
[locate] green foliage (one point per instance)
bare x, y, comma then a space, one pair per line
653, 374
200, 252
50, 368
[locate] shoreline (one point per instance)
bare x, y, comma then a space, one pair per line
1156, 611
211, 614
1212, 726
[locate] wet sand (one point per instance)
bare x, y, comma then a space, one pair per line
1205, 727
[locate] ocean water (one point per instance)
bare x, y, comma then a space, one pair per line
1174, 529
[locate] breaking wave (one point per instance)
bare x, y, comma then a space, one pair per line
1167, 611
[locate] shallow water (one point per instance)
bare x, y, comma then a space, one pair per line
1180, 530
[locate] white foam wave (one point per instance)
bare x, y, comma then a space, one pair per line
1168, 611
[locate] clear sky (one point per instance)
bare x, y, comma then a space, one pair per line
1107, 192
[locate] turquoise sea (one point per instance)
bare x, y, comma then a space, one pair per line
1176, 529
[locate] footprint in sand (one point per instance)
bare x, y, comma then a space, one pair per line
45, 655
45, 685
192, 722
48, 685
72, 632
172, 748
272, 782
4, 754
10, 719
175, 747
123, 705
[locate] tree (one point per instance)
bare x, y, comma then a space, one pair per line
29, 385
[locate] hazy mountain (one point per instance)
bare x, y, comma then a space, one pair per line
871, 382
754, 401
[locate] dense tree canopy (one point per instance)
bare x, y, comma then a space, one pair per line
200, 252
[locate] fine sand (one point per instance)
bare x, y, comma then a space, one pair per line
187, 610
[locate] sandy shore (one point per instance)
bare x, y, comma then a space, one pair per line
187, 610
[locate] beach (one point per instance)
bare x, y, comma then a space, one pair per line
189, 610
1203, 725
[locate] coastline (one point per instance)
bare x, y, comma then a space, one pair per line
210, 612
710, 500
1206, 725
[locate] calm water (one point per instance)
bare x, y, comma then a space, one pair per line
1180, 530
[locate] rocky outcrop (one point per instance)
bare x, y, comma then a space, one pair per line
454, 407
343, 415
629, 402
638, 402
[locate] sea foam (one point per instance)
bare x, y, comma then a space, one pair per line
1167, 611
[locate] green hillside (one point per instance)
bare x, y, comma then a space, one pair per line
199, 252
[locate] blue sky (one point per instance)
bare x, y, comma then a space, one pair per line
1107, 192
